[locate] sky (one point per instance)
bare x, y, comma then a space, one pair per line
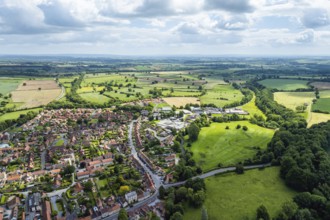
165, 27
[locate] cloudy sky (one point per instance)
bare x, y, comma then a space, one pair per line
165, 27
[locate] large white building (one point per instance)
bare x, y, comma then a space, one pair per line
131, 197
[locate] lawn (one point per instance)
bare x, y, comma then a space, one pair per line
322, 104
15, 115
284, 84
221, 95
232, 196
216, 144
95, 97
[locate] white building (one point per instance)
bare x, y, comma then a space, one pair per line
131, 197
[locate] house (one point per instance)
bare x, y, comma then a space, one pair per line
82, 175
197, 110
166, 109
96, 163
46, 210
131, 197
13, 202
78, 188
14, 213
13, 178
108, 161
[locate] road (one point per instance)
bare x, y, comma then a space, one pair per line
62, 93
217, 171
157, 179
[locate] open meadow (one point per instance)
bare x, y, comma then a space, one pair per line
221, 95
317, 118
252, 109
284, 84
216, 144
232, 196
34, 93
8, 85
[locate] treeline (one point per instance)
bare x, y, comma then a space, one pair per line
248, 95
192, 194
23, 118
305, 167
302, 154
277, 115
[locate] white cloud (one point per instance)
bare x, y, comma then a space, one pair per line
173, 26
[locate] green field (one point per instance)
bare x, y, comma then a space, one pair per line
221, 95
284, 84
15, 115
325, 94
216, 144
232, 196
252, 109
322, 104
8, 85
95, 97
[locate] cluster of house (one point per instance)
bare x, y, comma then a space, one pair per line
95, 165
10, 210
166, 140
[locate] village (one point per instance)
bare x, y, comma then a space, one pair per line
78, 163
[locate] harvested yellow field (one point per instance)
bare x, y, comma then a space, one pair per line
294, 99
317, 118
181, 101
36, 84
36, 93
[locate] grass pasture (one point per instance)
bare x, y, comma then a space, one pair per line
15, 115
284, 84
181, 101
216, 144
322, 104
221, 95
325, 94
232, 196
95, 97
252, 109
8, 85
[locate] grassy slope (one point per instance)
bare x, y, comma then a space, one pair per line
217, 145
284, 84
252, 109
232, 196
